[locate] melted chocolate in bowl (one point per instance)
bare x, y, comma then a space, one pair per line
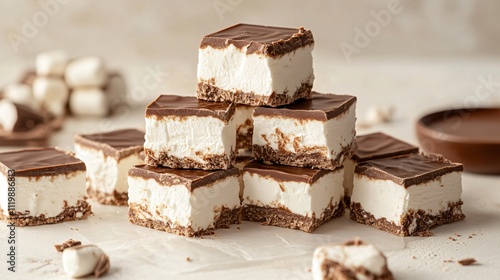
470, 136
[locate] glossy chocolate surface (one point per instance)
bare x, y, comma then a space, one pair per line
191, 178
409, 169
468, 135
258, 39
182, 106
380, 145
118, 143
285, 173
40, 162
321, 107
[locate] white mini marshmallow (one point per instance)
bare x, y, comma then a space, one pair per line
51, 93
20, 94
86, 72
84, 260
9, 115
51, 63
89, 102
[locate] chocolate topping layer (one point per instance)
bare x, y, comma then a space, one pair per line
40, 162
182, 106
192, 178
380, 145
408, 170
321, 107
285, 173
118, 144
258, 39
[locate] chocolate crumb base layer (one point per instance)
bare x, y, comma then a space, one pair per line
207, 91
419, 221
114, 198
284, 218
333, 270
79, 211
225, 219
244, 141
314, 159
213, 162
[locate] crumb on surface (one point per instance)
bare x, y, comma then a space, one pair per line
452, 239
467, 261
188, 259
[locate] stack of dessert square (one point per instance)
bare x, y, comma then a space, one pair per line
189, 186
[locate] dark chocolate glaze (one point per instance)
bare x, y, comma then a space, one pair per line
285, 173
380, 145
182, 106
191, 178
119, 143
408, 170
321, 107
258, 39
40, 162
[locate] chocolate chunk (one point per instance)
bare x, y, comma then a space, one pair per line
68, 244
468, 261
321, 107
191, 178
408, 170
182, 106
258, 39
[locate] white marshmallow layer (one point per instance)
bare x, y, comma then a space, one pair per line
190, 137
177, 205
104, 173
300, 198
232, 69
44, 195
329, 138
386, 199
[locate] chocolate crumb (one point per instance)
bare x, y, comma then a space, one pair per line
68, 244
468, 261
424, 233
238, 228
188, 259
309, 270
457, 235
414, 257
452, 239
448, 261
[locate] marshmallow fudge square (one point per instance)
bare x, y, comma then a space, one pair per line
373, 146
407, 195
42, 186
291, 197
354, 259
185, 202
256, 65
109, 156
318, 132
188, 133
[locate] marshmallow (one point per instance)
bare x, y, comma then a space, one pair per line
51, 93
84, 260
20, 94
51, 63
89, 102
376, 115
17, 117
86, 71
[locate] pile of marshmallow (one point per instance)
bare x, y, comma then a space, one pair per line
61, 86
